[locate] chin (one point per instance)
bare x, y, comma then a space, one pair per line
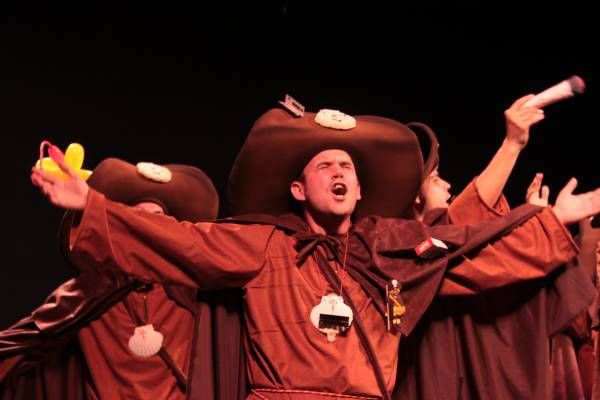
345, 212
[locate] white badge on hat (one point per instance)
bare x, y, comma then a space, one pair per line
335, 119
154, 172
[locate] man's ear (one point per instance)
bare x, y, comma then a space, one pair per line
297, 189
358, 196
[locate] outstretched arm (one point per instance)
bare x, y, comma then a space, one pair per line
160, 248
528, 252
519, 120
155, 247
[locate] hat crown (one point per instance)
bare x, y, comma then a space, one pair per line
184, 191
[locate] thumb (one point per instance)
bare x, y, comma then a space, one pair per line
569, 187
545, 192
520, 101
60, 161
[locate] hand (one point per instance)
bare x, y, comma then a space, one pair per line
68, 193
519, 119
571, 208
536, 193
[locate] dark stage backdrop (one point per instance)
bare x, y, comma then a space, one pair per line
175, 85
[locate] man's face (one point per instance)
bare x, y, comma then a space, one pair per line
149, 206
329, 185
435, 192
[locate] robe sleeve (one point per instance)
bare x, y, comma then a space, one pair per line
530, 251
468, 207
159, 248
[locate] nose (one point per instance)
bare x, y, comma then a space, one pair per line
337, 171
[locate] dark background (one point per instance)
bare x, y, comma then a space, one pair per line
167, 84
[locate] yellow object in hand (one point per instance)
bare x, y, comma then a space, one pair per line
73, 157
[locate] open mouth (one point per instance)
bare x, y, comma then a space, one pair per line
339, 190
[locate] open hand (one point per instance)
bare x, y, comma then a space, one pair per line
571, 207
519, 119
536, 193
68, 193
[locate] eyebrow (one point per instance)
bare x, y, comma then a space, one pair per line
329, 162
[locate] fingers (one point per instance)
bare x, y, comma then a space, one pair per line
43, 176
545, 193
65, 168
46, 189
520, 101
536, 193
536, 183
35, 178
571, 208
518, 122
534, 186
533, 118
569, 188
45, 182
526, 116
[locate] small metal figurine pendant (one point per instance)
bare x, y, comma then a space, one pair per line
395, 309
331, 316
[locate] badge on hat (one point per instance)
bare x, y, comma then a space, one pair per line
293, 106
154, 172
335, 119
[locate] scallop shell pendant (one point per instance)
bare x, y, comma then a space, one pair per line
145, 341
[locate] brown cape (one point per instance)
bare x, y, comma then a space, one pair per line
494, 345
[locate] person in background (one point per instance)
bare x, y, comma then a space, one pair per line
130, 338
494, 344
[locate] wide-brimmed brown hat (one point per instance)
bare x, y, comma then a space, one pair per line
386, 153
189, 194
183, 191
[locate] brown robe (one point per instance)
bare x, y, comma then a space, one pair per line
58, 352
493, 345
287, 356
576, 373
